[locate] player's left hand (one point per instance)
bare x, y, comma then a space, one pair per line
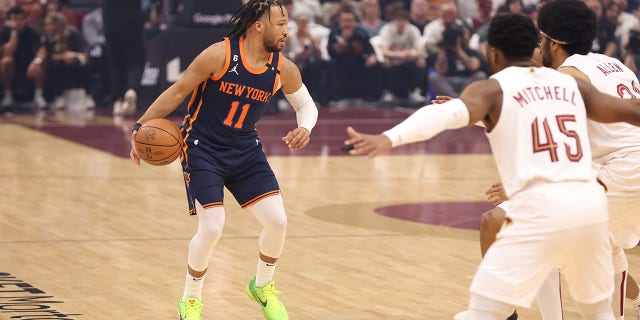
297, 139
367, 144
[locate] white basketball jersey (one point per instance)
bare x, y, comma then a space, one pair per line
541, 134
612, 77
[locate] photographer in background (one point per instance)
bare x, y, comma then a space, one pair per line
456, 65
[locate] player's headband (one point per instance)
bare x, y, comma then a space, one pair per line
552, 39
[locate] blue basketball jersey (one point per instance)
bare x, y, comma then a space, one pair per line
224, 109
221, 147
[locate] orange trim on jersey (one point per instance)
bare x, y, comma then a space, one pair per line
227, 61
246, 64
212, 205
260, 197
183, 156
277, 80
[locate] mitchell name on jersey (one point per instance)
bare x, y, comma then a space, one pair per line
539, 93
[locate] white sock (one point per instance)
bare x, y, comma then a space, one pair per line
38, 92
265, 272
193, 287
7, 93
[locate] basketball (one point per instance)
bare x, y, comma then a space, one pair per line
158, 142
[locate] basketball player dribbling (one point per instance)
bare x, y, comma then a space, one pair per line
537, 129
567, 30
231, 82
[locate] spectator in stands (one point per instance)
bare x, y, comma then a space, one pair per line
511, 6
626, 22
483, 16
605, 42
32, 9
124, 31
153, 26
311, 8
371, 17
93, 26
99, 56
66, 62
456, 66
480, 26
434, 7
353, 70
20, 44
419, 14
632, 57
404, 61
56, 6
303, 48
433, 31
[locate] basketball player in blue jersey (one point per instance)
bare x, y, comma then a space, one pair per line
230, 84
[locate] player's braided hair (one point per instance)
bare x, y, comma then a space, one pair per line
250, 13
570, 21
514, 34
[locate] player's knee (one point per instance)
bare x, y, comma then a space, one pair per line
211, 223
210, 231
277, 222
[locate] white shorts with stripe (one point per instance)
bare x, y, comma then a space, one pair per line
560, 225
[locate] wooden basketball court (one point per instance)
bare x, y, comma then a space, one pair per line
86, 235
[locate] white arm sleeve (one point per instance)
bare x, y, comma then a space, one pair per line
306, 111
428, 121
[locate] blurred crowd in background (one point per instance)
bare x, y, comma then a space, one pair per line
82, 53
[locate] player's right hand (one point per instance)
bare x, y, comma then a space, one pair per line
133, 155
496, 194
371, 145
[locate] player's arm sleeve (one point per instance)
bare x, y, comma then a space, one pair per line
306, 111
428, 121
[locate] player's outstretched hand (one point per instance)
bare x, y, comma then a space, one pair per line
297, 139
441, 99
366, 144
496, 195
133, 155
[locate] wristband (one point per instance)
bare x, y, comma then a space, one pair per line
136, 127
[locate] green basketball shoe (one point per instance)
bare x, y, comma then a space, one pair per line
190, 309
267, 297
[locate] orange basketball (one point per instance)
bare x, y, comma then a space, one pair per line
158, 142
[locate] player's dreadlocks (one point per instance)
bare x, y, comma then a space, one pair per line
250, 13
514, 34
570, 23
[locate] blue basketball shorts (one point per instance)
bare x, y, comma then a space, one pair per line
244, 171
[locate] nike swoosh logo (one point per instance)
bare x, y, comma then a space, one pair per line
264, 304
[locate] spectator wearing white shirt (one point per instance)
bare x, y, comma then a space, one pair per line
404, 62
